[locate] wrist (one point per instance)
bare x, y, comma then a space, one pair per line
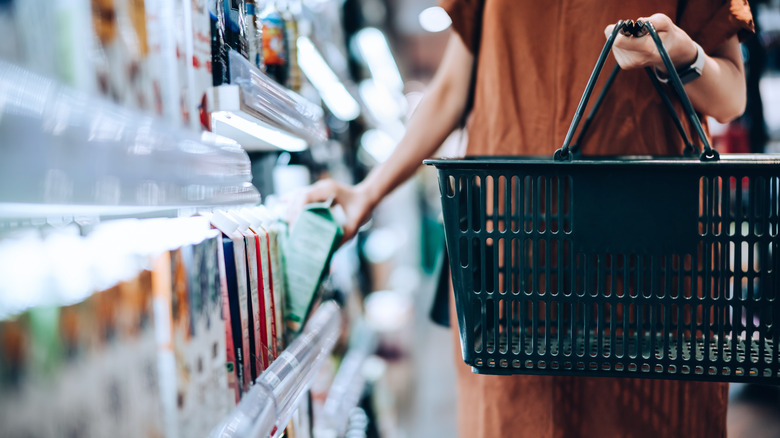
368, 192
687, 71
688, 54
682, 54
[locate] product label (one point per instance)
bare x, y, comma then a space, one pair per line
273, 40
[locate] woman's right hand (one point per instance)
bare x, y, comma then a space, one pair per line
354, 200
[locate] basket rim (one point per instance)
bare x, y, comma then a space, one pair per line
485, 161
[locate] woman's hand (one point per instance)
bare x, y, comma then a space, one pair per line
354, 200
719, 91
632, 52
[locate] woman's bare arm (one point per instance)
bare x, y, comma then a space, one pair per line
434, 119
720, 92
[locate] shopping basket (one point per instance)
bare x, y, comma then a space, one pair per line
623, 267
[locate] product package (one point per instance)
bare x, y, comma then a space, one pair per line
211, 323
231, 365
272, 347
136, 325
199, 339
164, 82
122, 55
219, 48
311, 243
275, 50
290, 14
238, 294
200, 65
163, 322
235, 26
253, 36
74, 44
275, 231
253, 303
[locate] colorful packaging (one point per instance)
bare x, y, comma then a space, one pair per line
199, 339
290, 16
210, 323
275, 230
253, 303
275, 51
231, 365
272, 347
235, 269
201, 63
163, 327
121, 58
312, 241
137, 330
164, 82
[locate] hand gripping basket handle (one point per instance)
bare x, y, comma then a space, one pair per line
566, 151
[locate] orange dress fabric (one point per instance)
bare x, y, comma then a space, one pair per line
534, 60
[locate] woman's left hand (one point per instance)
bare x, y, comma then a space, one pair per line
632, 52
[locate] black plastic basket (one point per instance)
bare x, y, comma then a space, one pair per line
624, 267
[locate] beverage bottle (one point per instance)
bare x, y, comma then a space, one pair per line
235, 26
275, 55
253, 38
290, 15
219, 64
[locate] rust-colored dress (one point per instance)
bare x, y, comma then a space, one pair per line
534, 60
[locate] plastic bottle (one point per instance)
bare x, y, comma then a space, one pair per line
275, 54
219, 65
235, 26
253, 37
290, 14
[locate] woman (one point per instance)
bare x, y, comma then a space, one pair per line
533, 61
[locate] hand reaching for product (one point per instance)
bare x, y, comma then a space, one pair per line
354, 201
636, 52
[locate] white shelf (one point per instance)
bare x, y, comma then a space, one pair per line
270, 403
260, 114
64, 152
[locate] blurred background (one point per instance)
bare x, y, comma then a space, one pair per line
361, 67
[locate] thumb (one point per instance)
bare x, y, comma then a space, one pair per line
608, 30
660, 22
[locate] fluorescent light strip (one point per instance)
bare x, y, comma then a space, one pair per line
376, 53
332, 91
271, 136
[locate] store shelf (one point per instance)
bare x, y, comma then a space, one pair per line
268, 406
348, 385
68, 153
261, 115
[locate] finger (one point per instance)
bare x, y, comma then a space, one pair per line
661, 22
608, 30
321, 191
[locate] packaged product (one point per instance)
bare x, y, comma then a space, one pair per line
275, 51
311, 243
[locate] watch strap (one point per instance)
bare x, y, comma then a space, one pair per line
689, 72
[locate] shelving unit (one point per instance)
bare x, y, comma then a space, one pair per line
261, 115
269, 404
67, 153
68, 156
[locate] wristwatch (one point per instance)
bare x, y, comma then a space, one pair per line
689, 72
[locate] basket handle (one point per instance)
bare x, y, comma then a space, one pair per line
566, 151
